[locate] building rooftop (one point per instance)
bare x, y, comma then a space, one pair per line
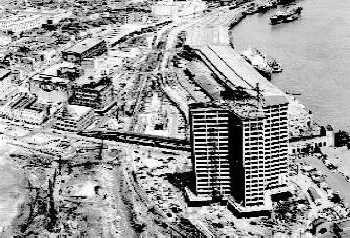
84, 45
52, 70
92, 82
36, 106
237, 73
208, 84
245, 109
75, 112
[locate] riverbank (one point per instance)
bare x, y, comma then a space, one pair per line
314, 53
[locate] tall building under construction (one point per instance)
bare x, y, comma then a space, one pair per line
239, 143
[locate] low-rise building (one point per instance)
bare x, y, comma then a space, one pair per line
130, 15
23, 107
36, 113
73, 118
170, 8
21, 100
56, 77
87, 48
307, 144
21, 23
95, 92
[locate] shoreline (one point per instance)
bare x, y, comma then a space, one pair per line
297, 52
229, 17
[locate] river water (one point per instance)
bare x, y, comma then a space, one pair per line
314, 52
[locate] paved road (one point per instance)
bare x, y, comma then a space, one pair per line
335, 180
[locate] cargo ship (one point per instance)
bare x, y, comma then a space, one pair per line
288, 15
263, 64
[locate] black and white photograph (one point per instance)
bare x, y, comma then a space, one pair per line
174, 119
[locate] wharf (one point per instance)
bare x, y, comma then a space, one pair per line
235, 72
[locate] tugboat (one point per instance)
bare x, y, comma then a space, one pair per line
290, 14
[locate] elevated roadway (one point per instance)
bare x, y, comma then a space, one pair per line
139, 139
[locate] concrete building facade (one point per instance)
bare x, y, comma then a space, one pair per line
95, 93
250, 121
87, 48
73, 118
239, 151
209, 136
276, 142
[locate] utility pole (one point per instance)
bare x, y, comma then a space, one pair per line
258, 94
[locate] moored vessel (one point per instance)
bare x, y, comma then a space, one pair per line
288, 15
253, 56
266, 65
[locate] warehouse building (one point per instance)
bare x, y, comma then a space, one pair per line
87, 48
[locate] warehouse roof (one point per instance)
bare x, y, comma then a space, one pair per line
236, 72
84, 45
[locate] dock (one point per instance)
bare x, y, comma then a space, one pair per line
233, 71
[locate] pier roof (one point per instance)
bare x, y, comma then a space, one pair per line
236, 72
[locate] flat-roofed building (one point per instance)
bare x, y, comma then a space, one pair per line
23, 107
73, 118
170, 8
87, 48
56, 77
95, 92
21, 22
36, 113
21, 100
131, 15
